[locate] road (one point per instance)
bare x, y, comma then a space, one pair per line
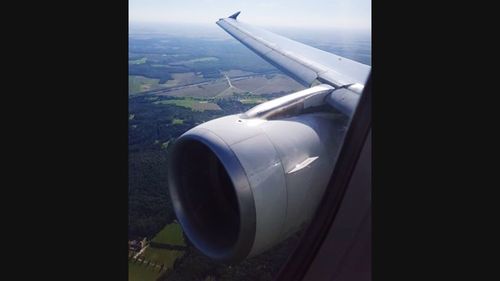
140, 252
228, 81
166, 90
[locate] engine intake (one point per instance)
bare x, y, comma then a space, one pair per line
239, 186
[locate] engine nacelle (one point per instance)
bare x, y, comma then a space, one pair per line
239, 186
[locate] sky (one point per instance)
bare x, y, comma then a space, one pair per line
337, 14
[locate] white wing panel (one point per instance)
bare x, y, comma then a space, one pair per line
302, 62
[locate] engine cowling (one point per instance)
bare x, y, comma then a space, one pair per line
240, 186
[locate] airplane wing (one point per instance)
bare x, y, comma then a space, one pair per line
303, 63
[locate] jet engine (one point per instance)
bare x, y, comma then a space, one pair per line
240, 184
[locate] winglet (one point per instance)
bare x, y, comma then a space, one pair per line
235, 15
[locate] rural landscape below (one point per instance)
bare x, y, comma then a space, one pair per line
175, 83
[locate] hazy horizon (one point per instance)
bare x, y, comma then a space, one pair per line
313, 14
212, 31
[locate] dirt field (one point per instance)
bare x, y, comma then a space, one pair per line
203, 91
278, 83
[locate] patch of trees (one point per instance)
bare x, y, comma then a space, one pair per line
195, 266
149, 203
233, 105
146, 70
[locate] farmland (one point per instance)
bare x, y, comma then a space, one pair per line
193, 104
171, 234
154, 261
139, 61
140, 272
138, 84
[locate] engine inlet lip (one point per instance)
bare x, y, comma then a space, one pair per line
246, 204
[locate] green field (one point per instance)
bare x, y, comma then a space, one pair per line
203, 59
170, 234
137, 84
160, 65
139, 61
162, 256
176, 121
140, 272
252, 100
191, 62
165, 145
194, 105
152, 98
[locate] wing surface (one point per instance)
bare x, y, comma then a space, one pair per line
303, 63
